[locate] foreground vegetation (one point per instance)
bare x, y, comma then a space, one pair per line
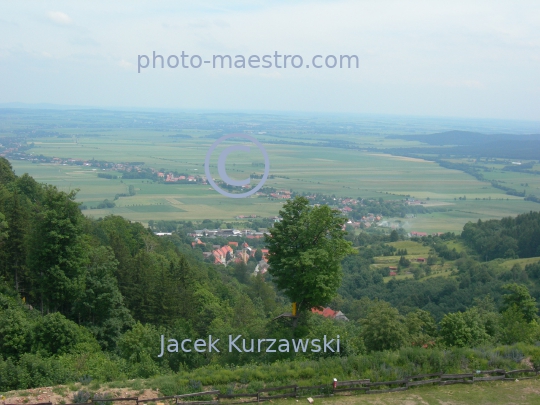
378, 366
84, 299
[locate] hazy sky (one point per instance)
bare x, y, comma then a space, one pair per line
437, 58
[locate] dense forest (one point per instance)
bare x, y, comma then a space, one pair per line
91, 297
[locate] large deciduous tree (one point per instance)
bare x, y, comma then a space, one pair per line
305, 252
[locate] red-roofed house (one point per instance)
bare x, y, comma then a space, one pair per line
330, 313
418, 234
220, 254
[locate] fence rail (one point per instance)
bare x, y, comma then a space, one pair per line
344, 386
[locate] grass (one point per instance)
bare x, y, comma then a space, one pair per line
156, 208
413, 248
485, 393
60, 390
508, 264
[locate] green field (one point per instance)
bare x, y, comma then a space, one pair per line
508, 264
303, 167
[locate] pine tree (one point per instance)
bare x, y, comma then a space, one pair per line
57, 252
17, 218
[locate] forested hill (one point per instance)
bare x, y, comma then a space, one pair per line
95, 280
506, 238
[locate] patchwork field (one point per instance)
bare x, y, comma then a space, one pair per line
300, 160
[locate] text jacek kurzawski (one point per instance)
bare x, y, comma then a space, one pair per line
240, 345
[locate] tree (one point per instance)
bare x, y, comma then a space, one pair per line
514, 327
263, 292
14, 332
241, 272
521, 299
394, 236
141, 346
454, 330
421, 327
258, 255
6, 171
383, 328
101, 306
462, 329
3, 228
305, 252
15, 246
57, 253
55, 334
404, 262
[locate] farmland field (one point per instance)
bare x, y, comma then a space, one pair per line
299, 160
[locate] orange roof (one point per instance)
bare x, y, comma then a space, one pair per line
233, 243
326, 312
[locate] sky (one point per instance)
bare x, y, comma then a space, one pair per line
474, 59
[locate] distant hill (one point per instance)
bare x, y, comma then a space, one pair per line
477, 144
465, 138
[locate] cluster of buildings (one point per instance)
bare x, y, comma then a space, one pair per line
120, 167
10, 148
245, 216
414, 234
171, 178
232, 252
281, 194
412, 201
13, 152
227, 233
366, 221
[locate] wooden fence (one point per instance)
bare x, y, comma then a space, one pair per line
324, 390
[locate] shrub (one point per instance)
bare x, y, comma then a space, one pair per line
55, 334
100, 396
81, 397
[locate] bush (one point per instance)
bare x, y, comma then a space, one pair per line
81, 397
55, 334
98, 397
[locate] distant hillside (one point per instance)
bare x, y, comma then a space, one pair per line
478, 144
